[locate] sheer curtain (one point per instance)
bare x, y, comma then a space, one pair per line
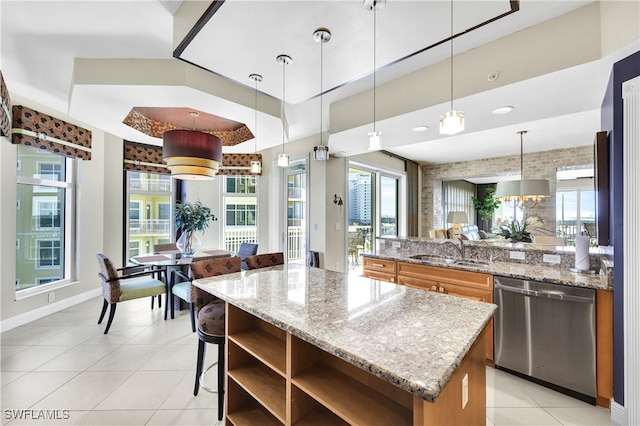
456, 196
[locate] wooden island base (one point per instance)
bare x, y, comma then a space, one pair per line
276, 378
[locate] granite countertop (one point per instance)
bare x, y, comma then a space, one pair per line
412, 338
556, 275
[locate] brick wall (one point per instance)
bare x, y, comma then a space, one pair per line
537, 165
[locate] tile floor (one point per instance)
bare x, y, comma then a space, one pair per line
142, 373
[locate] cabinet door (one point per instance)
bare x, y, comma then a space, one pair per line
422, 283
382, 276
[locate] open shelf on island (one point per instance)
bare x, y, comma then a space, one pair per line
262, 340
244, 410
262, 383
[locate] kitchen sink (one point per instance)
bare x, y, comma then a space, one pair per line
471, 262
433, 258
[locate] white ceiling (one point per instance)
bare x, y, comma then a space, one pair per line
41, 39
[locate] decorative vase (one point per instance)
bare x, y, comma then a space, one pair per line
188, 243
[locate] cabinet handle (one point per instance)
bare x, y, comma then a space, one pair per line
379, 265
442, 290
434, 288
393, 279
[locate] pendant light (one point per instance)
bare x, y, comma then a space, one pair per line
322, 36
525, 192
284, 60
190, 154
256, 166
452, 121
375, 137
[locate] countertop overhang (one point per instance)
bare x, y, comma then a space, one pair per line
412, 338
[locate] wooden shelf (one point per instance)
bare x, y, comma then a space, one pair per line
264, 385
320, 416
264, 347
349, 399
243, 410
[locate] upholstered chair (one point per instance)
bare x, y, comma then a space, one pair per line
119, 285
210, 313
265, 260
246, 249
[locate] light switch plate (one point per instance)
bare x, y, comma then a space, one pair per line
516, 255
551, 258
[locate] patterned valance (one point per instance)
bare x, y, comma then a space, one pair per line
33, 128
144, 158
5, 111
239, 164
148, 158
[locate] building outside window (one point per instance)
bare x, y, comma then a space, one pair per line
44, 221
240, 211
149, 211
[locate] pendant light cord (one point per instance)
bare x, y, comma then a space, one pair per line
451, 56
522, 132
374, 63
321, 75
255, 150
284, 64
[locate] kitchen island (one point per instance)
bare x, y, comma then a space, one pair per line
309, 346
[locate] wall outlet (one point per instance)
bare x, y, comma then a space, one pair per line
465, 390
338, 226
551, 258
516, 255
396, 244
52, 297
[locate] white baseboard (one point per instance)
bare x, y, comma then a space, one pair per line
618, 414
49, 309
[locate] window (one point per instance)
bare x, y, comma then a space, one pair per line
575, 204
149, 210
240, 211
456, 197
44, 232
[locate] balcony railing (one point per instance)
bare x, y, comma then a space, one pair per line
296, 243
149, 226
233, 237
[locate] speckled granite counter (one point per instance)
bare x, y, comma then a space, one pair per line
412, 338
552, 274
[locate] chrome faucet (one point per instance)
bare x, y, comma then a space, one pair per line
459, 248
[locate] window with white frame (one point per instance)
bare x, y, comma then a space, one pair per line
45, 204
240, 211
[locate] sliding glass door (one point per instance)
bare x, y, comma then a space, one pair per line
296, 199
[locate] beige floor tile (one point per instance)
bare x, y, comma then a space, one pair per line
117, 417
528, 416
116, 335
6, 351
72, 336
126, 357
32, 358
30, 388
503, 391
78, 358
545, 397
29, 335
185, 417
173, 357
85, 391
586, 415
182, 398
7, 377
143, 390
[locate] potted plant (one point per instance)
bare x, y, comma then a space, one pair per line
487, 205
189, 219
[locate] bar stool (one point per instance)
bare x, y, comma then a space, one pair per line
210, 321
211, 330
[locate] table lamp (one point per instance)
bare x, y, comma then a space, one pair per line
457, 218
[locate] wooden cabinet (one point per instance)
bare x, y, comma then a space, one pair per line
275, 378
604, 347
454, 282
379, 269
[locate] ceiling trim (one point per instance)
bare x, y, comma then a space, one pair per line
514, 6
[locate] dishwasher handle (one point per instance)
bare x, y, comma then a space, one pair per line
544, 294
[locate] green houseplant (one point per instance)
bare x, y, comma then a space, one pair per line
487, 205
189, 219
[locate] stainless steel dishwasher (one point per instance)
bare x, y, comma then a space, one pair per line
546, 332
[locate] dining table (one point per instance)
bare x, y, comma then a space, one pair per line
175, 267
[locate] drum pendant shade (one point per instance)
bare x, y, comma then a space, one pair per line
190, 154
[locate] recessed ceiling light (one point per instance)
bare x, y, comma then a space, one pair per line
420, 128
502, 110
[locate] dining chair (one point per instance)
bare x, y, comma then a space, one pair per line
211, 321
246, 249
265, 260
122, 284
